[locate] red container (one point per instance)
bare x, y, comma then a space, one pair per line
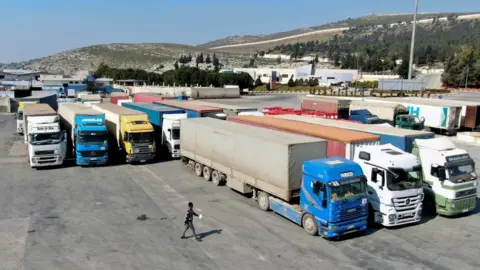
147, 98
115, 99
340, 142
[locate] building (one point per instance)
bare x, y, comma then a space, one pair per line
20, 75
283, 75
63, 84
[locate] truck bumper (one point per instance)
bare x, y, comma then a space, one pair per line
176, 154
332, 231
389, 217
19, 129
140, 157
86, 161
46, 161
449, 207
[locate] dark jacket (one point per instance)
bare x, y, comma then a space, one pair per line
189, 215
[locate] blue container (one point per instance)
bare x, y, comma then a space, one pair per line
50, 99
192, 111
155, 113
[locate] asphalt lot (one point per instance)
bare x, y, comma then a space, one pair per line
86, 218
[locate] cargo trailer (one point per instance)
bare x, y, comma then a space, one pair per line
401, 138
194, 111
116, 98
387, 112
282, 170
340, 142
228, 109
326, 105
131, 134
147, 98
50, 99
166, 123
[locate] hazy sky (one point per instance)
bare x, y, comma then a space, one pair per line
37, 28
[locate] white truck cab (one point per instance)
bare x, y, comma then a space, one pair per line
171, 133
394, 178
449, 176
47, 144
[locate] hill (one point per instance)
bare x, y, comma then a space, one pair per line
321, 33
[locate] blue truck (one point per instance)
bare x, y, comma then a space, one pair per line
364, 116
166, 124
88, 140
194, 111
286, 173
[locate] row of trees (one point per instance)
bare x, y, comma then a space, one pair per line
377, 49
181, 76
463, 69
199, 59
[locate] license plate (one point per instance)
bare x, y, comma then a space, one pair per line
93, 158
351, 226
142, 160
465, 210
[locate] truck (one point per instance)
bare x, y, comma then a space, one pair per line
89, 99
229, 109
450, 179
47, 144
166, 123
395, 197
116, 97
326, 105
50, 99
401, 138
364, 116
131, 135
285, 173
87, 134
192, 110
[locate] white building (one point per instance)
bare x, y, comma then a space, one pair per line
283, 74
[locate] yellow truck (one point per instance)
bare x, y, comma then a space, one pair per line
130, 130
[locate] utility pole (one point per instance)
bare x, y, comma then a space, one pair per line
412, 46
466, 76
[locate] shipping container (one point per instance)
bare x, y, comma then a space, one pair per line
385, 111
116, 98
341, 142
30, 110
147, 98
69, 113
50, 99
155, 112
227, 109
193, 111
214, 92
266, 159
326, 105
401, 138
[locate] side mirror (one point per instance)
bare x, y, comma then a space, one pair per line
434, 170
324, 200
374, 175
442, 174
125, 136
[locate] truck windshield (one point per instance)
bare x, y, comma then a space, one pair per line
45, 138
374, 120
347, 189
92, 138
141, 137
399, 179
176, 134
455, 171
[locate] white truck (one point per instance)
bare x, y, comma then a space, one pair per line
395, 189
449, 176
47, 144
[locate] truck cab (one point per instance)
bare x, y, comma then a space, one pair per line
171, 133
394, 184
364, 116
408, 121
449, 176
91, 140
138, 138
47, 144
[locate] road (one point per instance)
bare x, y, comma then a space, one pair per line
86, 218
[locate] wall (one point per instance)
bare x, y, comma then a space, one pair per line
5, 104
372, 77
408, 85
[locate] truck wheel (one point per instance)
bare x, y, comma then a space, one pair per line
263, 201
309, 224
184, 160
216, 178
207, 173
198, 169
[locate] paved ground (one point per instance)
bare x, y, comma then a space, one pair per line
86, 218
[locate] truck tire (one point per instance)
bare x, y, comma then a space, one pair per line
185, 161
198, 169
309, 224
263, 201
216, 178
207, 173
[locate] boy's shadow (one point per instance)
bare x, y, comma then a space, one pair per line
206, 234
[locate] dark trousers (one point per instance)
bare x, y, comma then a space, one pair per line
189, 225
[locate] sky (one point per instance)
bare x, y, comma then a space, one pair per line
37, 28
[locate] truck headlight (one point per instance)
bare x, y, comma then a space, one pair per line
453, 205
331, 227
392, 217
475, 183
136, 150
150, 146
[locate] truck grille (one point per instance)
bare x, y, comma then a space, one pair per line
43, 153
465, 193
465, 203
351, 213
96, 153
407, 203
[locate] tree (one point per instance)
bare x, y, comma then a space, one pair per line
403, 69
189, 57
200, 58
216, 63
258, 81
267, 86
291, 83
208, 60
251, 63
316, 58
175, 65
279, 60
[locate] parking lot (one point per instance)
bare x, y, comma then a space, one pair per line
86, 218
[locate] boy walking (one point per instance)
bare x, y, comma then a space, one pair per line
189, 221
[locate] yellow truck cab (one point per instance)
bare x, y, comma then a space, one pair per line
131, 130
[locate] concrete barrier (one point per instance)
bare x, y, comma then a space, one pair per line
471, 137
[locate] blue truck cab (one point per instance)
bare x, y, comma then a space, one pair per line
333, 200
364, 116
91, 140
